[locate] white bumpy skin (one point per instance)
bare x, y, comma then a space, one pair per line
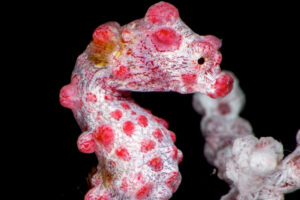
252, 167
138, 159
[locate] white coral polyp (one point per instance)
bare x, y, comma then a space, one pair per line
263, 162
253, 167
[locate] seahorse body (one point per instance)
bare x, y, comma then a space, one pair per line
136, 151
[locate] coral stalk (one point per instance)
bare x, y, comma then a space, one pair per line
254, 168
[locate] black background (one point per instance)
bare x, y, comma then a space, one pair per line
260, 45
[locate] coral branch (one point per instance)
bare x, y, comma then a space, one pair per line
252, 167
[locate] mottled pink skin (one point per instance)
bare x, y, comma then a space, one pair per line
136, 152
253, 167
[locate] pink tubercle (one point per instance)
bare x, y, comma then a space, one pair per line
173, 136
144, 191
156, 164
142, 120
161, 13
166, 39
147, 145
222, 86
67, 96
173, 181
189, 79
121, 72
128, 128
91, 97
102, 34
158, 135
117, 114
123, 153
213, 40
104, 134
86, 143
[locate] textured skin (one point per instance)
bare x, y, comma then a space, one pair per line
253, 167
136, 152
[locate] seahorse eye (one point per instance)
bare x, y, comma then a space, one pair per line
201, 61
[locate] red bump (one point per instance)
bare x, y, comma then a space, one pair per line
156, 164
180, 157
218, 58
173, 136
125, 106
222, 86
128, 128
121, 73
158, 134
102, 34
148, 110
144, 191
122, 153
161, 121
125, 35
94, 194
161, 13
173, 181
166, 39
189, 79
108, 98
105, 136
214, 41
142, 121
90, 97
124, 185
174, 153
205, 47
117, 114
67, 96
85, 143
139, 177
147, 145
